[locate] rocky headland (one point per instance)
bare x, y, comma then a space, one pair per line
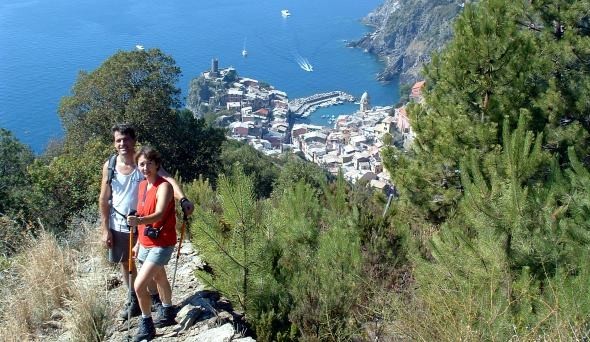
406, 33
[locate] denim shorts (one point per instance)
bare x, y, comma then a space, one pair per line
157, 255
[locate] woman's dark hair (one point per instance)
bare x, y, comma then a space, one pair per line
125, 129
150, 154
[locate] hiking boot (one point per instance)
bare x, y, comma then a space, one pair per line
156, 302
146, 330
133, 306
165, 317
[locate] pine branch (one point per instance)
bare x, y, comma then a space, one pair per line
219, 245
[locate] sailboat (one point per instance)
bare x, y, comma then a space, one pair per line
244, 51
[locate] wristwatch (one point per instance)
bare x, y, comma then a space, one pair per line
182, 200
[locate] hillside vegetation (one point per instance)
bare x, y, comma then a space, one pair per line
488, 240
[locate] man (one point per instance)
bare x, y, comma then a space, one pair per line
120, 198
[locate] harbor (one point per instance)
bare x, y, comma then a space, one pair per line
303, 107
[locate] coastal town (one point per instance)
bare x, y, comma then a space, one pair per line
265, 118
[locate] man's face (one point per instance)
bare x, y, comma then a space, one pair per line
124, 144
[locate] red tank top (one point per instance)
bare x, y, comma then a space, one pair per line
146, 204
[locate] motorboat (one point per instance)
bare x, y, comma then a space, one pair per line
244, 51
285, 13
139, 47
306, 66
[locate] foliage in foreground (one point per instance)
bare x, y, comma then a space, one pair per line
42, 283
43, 280
488, 240
514, 261
14, 159
292, 262
494, 191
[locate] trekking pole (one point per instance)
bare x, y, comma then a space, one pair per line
387, 205
130, 266
184, 220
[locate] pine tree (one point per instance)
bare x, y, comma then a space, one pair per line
562, 32
292, 263
505, 58
493, 180
234, 243
326, 291
511, 261
474, 83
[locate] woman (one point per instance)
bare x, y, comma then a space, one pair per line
156, 223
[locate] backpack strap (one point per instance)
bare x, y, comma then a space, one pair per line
111, 169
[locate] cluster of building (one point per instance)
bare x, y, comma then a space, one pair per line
352, 146
260, 112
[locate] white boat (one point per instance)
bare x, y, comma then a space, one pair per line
139, 47
244, 51
285, 13
307, 67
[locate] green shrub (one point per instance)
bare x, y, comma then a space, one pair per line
260, 167
66, 184
15, 157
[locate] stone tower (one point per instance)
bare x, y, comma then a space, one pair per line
365, 102
214, 68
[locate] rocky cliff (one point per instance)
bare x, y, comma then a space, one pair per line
406, 32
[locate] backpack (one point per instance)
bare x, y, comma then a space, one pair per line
111, 173
111, 169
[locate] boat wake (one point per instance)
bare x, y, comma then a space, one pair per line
244, 51
304, 63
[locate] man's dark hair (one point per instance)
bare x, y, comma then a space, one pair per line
125, 129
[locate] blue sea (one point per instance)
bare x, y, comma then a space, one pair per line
45, 43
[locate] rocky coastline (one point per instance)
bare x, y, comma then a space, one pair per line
406, 33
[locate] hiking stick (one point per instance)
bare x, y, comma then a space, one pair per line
130, 267
184, 220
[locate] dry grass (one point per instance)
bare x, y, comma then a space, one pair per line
88, 314
45, 273
15, 326
55, 285
89, 310
42, 275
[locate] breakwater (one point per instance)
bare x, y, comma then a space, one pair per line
304, 106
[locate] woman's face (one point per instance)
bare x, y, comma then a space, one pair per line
147, 167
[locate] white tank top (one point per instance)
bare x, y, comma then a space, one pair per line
124, 190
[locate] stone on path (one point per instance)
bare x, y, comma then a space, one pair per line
221, 334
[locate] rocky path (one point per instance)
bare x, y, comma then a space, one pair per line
202, 315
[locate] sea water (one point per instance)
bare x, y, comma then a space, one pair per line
44, 44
